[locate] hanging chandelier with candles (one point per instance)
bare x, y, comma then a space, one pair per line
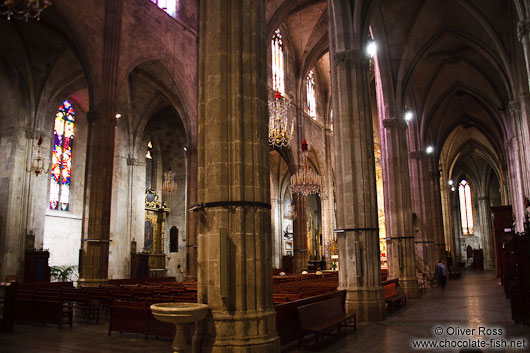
168, 185
37, 162
23, 9
280, 133
305, 180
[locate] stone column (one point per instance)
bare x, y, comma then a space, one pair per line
457, 231
421, 205
192, 217
516, 187
300, 235
357, 226
447, 217
436, 206
276, 231
486, 231
100, 156
235, 269
523, 33
398, 206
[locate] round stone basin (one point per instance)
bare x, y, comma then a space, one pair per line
179, 314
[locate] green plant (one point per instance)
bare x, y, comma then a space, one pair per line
63, 273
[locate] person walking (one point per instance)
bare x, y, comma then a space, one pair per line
441, 273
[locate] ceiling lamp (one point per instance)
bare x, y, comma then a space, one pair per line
279, 133
168, 185
305, 181
37, 163
23, 9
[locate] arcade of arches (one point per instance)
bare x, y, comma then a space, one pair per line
164, 155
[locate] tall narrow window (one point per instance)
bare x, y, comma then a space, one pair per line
169, 6
149, 166
278, 76
61, 169
466, 207
310, 91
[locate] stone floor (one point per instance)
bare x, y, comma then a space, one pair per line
476, 300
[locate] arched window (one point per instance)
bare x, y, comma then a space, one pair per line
466, 207
278, 73
149, 166
169, 6
61, 169
310, 91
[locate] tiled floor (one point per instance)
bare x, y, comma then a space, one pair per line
470, 302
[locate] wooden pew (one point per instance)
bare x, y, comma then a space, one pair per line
321, 316
390, 294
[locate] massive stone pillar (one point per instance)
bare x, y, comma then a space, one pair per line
357, 226
100, 155
398, 206
461, 255
420, 191
300, 255
436, 206
192, 217
447, 217
486, 230
235, 270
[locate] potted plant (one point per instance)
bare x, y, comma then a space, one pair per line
63, 273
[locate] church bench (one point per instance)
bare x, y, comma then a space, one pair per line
287, 323
130, 317
391, 296
44, 310
320, 317
81, 301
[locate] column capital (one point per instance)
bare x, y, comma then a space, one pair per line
523, 29
514, 107
355, 56
394, 122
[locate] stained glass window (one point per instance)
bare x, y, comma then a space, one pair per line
466, 207
169, 6
61, 169
311, 99
278, 76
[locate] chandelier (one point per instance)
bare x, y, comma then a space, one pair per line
305, 180
37, 163
168, 185
23, 9
279, 132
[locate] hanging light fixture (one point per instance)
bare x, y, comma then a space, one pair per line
279, 133
37, 162
168, 185
305, 181
23, 9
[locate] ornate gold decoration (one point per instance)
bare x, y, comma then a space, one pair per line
37, 162
169, 185
279, 133
23, 9
305, 180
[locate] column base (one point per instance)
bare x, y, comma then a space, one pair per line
368, 305
489, 264
92, 282
244, 332
410, 288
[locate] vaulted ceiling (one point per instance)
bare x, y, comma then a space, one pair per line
452, 62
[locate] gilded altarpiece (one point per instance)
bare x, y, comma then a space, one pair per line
155, 218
